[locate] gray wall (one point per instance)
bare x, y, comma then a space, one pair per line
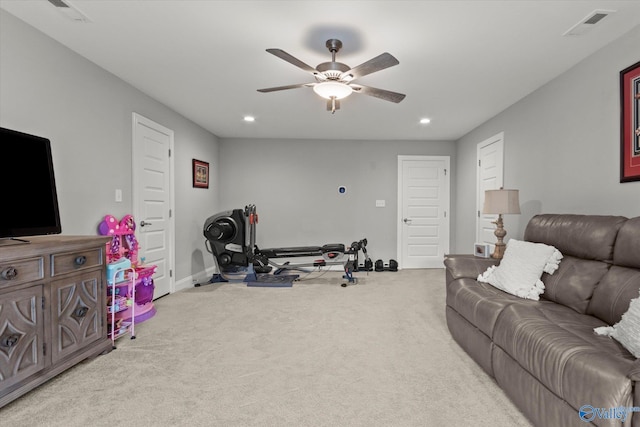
562, 146
294, 184
48, 90
561, 151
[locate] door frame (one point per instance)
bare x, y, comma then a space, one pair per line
495, 139
135, 180
400, 243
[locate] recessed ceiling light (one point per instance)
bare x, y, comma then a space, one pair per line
425, 121
249, 119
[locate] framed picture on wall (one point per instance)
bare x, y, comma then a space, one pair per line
630, 123
200, 174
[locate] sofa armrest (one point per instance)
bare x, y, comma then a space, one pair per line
467, 266
634, 372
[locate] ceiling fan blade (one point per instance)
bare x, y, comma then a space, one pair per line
387, 95
378, 63
292, 60
273, 89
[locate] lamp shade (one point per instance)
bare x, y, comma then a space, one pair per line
332, 89
501, 202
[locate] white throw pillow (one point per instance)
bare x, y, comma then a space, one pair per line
521, 267
627, 330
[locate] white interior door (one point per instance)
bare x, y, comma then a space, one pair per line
490, 177
423, 211
153, 199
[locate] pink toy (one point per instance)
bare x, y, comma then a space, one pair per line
128, 229
109, 226
124, 242
129, 281
144, 285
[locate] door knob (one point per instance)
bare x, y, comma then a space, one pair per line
407, 220
143, 223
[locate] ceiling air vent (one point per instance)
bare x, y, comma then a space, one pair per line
69, 10
587, 24
58, 3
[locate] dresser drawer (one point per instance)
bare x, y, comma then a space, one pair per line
21, 271
73, 261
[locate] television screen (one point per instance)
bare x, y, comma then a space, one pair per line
27, 185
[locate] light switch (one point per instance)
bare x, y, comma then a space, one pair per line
118, 195
381, 203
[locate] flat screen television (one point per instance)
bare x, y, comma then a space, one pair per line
28, 187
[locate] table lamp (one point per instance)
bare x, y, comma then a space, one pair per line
500, 202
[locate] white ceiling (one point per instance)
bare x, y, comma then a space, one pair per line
461, 62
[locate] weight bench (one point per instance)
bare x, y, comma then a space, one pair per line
231, 239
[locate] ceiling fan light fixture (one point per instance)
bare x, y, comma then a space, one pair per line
331, 89
334, 79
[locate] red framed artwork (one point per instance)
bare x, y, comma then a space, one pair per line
200, 174
630, 123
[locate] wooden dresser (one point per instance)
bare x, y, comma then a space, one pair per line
53, 311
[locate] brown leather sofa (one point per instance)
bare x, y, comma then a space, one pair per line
544, 354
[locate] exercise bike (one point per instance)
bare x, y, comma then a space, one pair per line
231, 239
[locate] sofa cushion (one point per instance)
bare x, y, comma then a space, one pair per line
627, 249
574, 283
621, 284
479, 303
587, 243
613, 294
557, 346
581, 236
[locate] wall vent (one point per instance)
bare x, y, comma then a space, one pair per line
588, 22
70, 11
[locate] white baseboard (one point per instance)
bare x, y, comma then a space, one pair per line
190, 281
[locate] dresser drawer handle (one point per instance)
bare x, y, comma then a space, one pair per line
80, 312
9, 273
9, 340
80, 260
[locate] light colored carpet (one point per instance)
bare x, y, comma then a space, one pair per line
377, 353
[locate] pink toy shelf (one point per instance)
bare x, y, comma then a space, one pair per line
130, 290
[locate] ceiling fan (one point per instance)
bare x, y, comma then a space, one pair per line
334, 80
